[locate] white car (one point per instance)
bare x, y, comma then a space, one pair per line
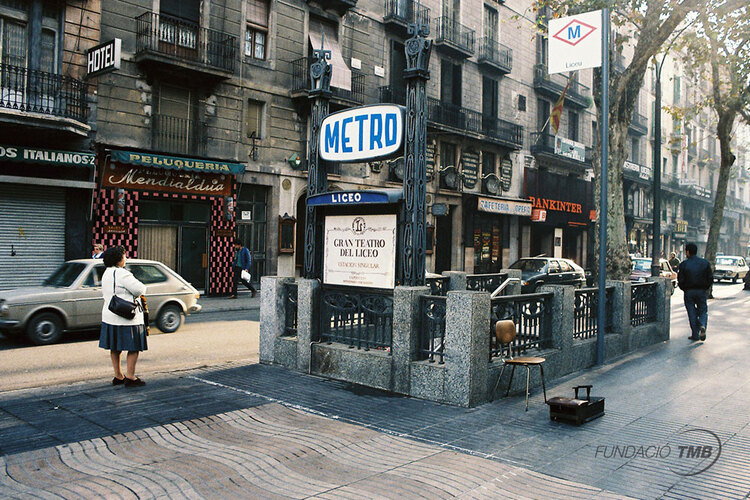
730, 267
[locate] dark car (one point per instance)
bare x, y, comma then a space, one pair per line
538, 271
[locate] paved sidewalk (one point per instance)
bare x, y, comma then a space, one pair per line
655, 398
243, 302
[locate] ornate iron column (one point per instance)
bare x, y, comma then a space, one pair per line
414, 230
317, 180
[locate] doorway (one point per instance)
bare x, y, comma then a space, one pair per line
443, 241
251, 226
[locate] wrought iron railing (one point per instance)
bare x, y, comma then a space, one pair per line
361, 319
544, 142
642, 303
577, 92
587, 312
290, 309
485, 282
175, 135
184, 40
34, 91
438, 285
406, 12
495, 53
451, 32
530, 313
301, 82
639, 123
432, 332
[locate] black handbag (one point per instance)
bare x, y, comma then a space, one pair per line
119, 306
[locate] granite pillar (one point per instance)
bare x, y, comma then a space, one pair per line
514, 287
406, 329
467, 343
620, 307
457, 280
308, 298
561, 323
663, 305
272, 315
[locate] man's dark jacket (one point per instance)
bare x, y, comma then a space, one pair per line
695, 274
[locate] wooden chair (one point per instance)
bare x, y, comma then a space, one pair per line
505, 333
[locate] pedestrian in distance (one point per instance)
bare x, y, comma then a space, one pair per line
98, 251
674, 261
695, 277
117, 332
242, 263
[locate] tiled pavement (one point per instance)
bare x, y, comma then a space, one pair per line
342, 440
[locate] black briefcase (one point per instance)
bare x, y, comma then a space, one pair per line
574, 410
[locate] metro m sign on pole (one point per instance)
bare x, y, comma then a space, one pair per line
575, 42
363, 133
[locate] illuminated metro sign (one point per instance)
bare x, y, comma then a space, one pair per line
363, 133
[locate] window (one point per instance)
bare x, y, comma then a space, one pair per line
542, 115
147, 274
488, 163
491, 23
572, 125
13, 42
675, 166
256, 36
447, 154
450, 83
635, 153
255, 119
94, 278
553, 267
521, 103
676, 90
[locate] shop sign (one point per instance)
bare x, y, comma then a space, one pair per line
470, 164
439, 209
632, 167
115, 229
353, 197
592, 215
174, 163
360, 250
556, 205
570, 149
645, 173
506, 173
702, 192
152, 179
103, 58
507, 207
680, 226
363, 133
47, 156
538, 215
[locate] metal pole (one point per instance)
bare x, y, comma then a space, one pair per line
656, 247
603, 181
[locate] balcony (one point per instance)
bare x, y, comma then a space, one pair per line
181, 136
578, 95
454, 37
692, 149
341, 97
171, 44
639, 124
399, 14
42, 100
340, 6
543, 145
495, 55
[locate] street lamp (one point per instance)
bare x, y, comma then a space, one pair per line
656, 230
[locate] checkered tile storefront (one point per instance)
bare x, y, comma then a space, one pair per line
221, 247
111, 229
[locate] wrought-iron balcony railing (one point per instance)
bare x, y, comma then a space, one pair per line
639, 124
301, 82
171, 134
33, 91
544, 143
405, 12
495, 54
578, 95
185, 42
451, 34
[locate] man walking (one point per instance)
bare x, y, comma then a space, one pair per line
674, 261
242, 262
695, 278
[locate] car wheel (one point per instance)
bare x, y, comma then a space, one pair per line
44, 328
535, 288
736, 278
170, 318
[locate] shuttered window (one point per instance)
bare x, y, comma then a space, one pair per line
256, 34
255, 119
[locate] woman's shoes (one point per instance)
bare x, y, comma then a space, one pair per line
118, 381
129, 382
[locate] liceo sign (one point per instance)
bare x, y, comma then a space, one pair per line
364, 133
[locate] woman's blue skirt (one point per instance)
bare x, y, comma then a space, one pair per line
123, 338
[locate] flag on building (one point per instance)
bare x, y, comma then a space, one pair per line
556, 113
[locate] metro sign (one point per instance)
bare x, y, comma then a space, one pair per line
363, 133
574, 32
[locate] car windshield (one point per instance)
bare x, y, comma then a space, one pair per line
725, 261
533, 265
65, 274
641, 265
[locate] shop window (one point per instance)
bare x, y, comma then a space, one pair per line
255, 119
256, 34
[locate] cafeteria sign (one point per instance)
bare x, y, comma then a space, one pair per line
363, 133
360, 250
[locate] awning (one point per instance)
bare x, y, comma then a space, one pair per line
341, 76
175, 163
369, 196
47, 156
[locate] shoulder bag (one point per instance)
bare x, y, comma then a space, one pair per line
119, 306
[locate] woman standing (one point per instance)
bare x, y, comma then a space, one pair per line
120, 334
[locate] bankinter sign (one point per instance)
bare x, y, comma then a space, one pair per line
364, 133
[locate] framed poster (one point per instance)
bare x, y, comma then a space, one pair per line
360, 250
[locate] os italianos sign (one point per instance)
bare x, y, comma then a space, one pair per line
361, 134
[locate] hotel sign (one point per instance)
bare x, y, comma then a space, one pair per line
360, 250
507, 207
103, 58
363, 133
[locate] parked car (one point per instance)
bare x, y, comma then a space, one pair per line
71, 299
538, 271
641, 269
730, 267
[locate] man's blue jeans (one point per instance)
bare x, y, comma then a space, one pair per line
697, 310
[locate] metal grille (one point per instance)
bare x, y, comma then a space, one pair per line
642, 303
290, 309
485, 282
406, 12
356, 318
530, 313
172, 134
587, 312
432, 333
34, 91
438, 286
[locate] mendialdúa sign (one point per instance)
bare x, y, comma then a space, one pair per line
363, 133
